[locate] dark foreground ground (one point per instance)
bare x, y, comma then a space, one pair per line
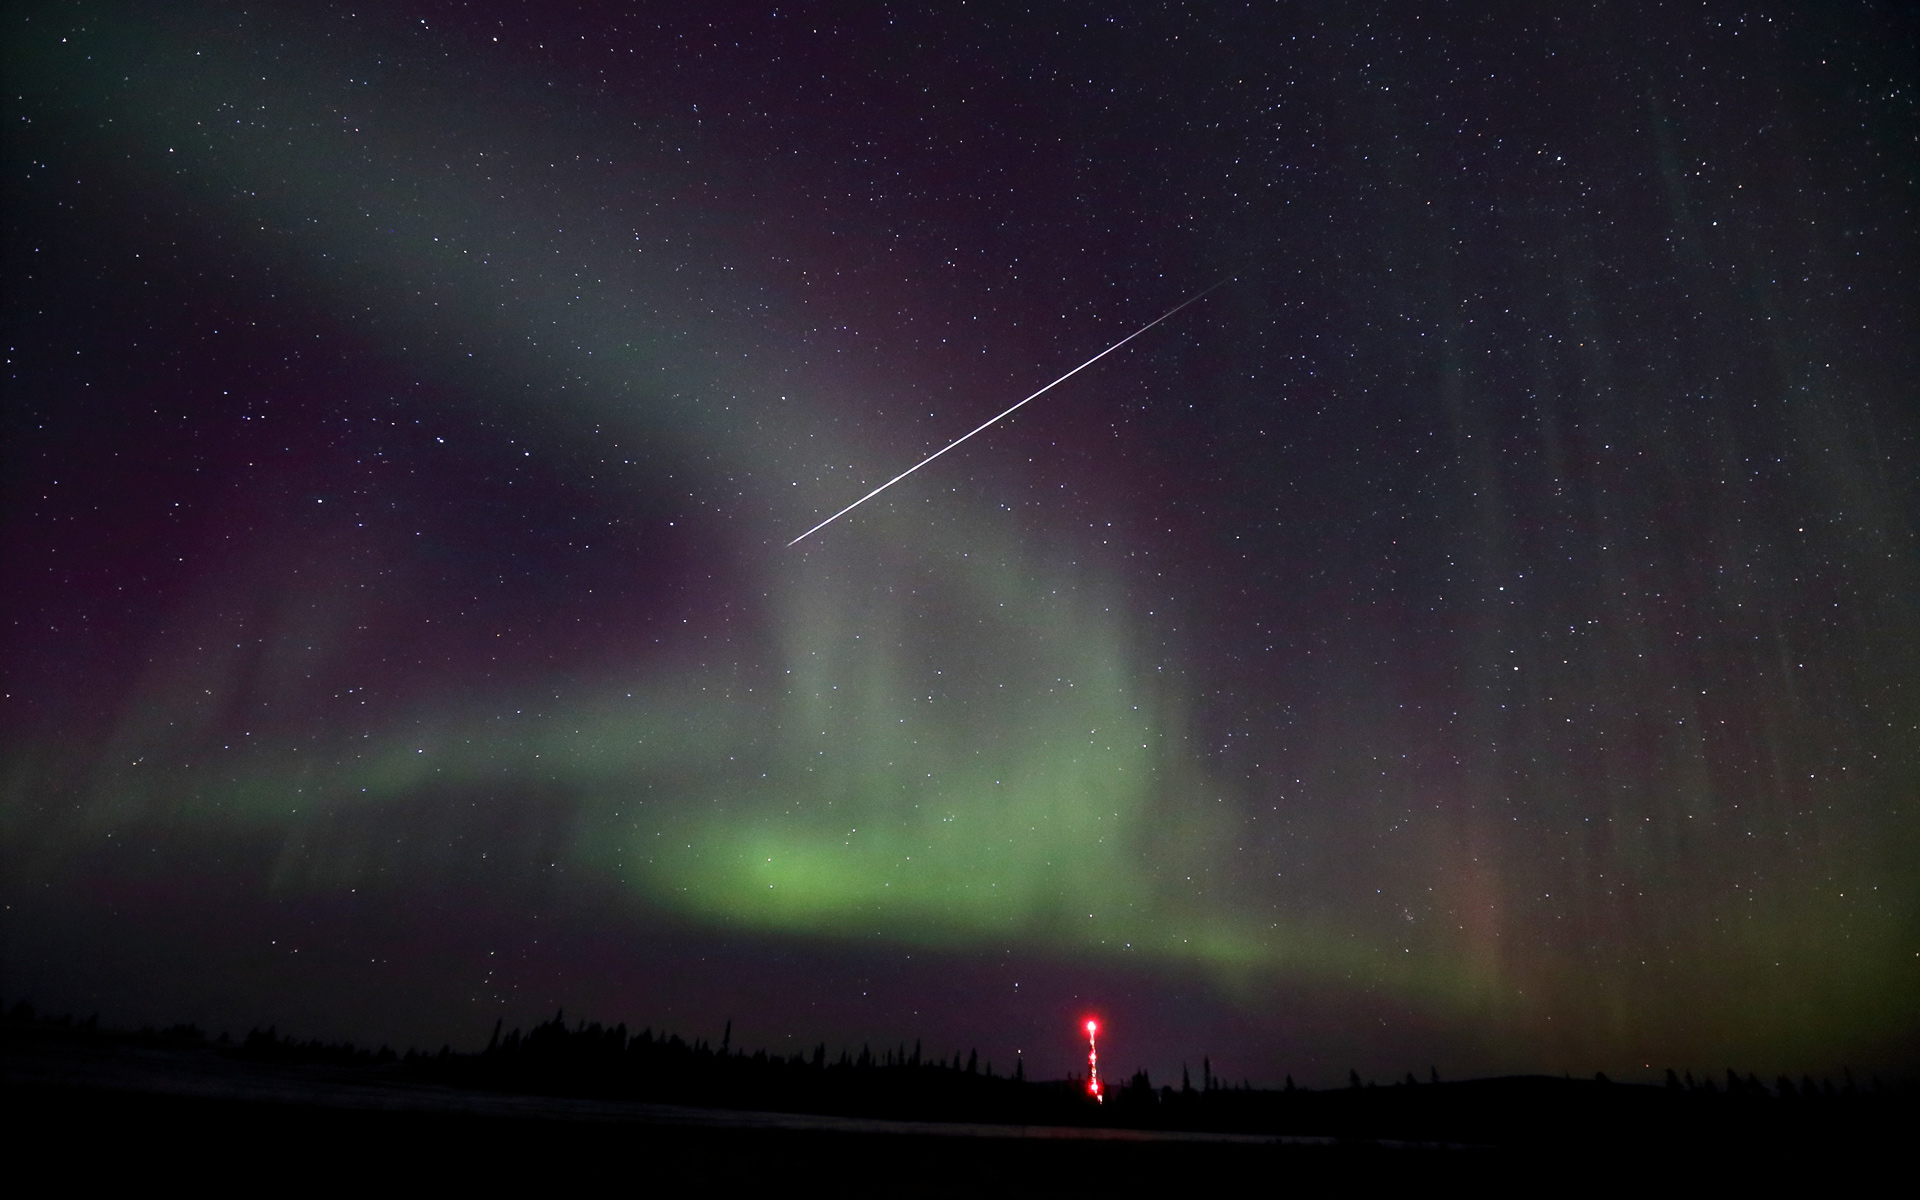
125, 1108
110, 1110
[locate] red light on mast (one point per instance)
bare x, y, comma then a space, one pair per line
1093, 1062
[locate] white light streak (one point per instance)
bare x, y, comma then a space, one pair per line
995, 420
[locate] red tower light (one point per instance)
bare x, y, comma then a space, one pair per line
1093, 1062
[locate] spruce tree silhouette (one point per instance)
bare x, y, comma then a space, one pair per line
587, 1059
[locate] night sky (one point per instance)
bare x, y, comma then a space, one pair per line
1485, 634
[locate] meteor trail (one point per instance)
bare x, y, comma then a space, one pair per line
995, 420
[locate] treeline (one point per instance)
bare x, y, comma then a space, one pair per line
590, 1060
259, 1045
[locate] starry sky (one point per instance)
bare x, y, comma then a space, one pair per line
1485, 633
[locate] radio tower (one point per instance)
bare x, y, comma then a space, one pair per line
1093, 1062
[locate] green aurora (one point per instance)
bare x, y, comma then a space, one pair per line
941, 722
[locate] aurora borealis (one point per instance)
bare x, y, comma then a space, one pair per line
1486, 633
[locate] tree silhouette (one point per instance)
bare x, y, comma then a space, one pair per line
587, 1059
